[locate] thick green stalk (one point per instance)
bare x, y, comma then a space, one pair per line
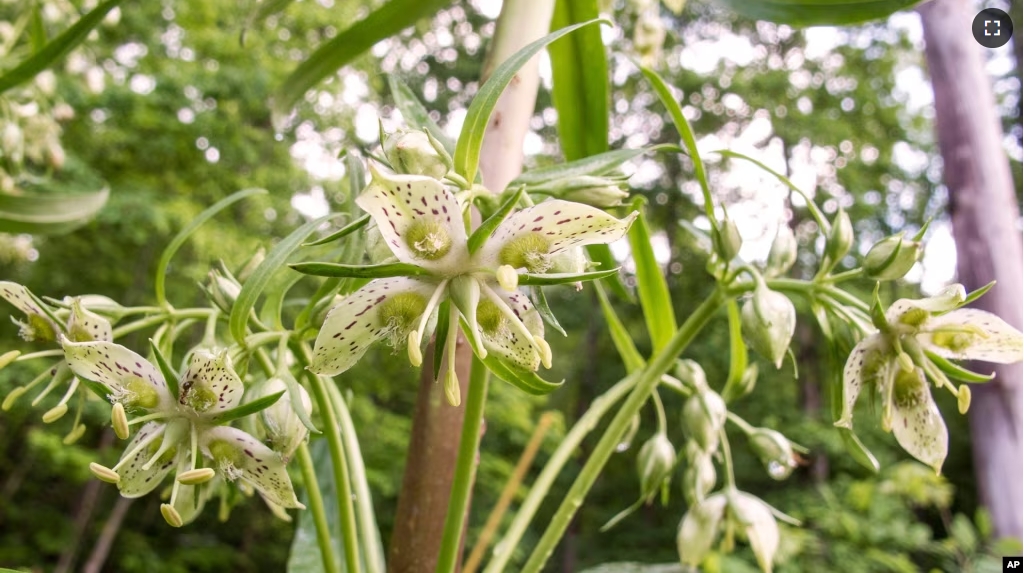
465, 468
316, 508
369, 537
566, 449
648, 382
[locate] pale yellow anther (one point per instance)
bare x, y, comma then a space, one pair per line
906, 363
415, 354
171, 515
507, 278
196, 476
545, 350
8, 357
963, 398
451, 388
103, 473
11, 398
55, 413
74, 434
119, 419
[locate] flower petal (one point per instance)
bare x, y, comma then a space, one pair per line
699, 529
39, 325
501, 336
547, 229
18, 296
85, 325
861, 369
136, 481
190, 501
240, 456
210, 385
761, 529
917, 423
132, 380
1000, 343
382, 307
420, 220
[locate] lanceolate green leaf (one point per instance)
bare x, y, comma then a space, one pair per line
650, 283
170, 376
391, 18
248, 408
564, 278
467, 150
358, 271
49, 213
540, 302
527, 381
479, 236
184, 234
440, 335
415, 114
256, 282
57, 48
956, 371
599, 164
579, 71
341, 233
817, 12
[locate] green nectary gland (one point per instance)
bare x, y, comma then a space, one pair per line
199, 398
914, 317
400, 312
42, 329
223, 453
489, 317
955, 341
165, 457
529, 251
428, 239
140, 394
908, 388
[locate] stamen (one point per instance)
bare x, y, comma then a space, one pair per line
963, 398
196, 476
77, 428
451, 379
512, 318
12, 397
58, 411
415, 355
545, 350
49, 387
144, 443
119, 420
149, 418
104, 473
165, 445
507, 277
435, 297
171, 515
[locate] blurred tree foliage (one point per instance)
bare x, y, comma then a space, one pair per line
171, 110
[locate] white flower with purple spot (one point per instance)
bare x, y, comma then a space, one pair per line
897, 362
422, 223
177, 430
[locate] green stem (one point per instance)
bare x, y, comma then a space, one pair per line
155, 320
465, 468
649, 379
316, 509
845, 275
730, 478
659, 408
568, 447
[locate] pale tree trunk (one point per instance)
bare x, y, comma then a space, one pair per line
433, 448
984, 212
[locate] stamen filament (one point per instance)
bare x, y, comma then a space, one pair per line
138, 448
512, 318
431, 305
451, 379
149, 418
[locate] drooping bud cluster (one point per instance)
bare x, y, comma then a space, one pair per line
768, 319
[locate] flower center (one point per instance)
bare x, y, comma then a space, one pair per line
137, 393
908, 388
914, 317
529, 251
428, 239
490, 318
198, 397
227, 458
399, 315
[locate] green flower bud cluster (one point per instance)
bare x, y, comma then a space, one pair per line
417, 153
768, 320
730, 513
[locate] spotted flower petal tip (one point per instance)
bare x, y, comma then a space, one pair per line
240, 456
131, 379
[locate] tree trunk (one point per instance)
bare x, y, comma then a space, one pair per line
984, 210
433, 449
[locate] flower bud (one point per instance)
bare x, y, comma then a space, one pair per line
727, 239
774, 451
654, 464
699, 529
413, 153
596, 191
704, 416
222, 290
691, 374
891, 258
12, 142
768, 320
252, 264
841, 238
699, 477
755, 522
284, 430
744, 386
783, 252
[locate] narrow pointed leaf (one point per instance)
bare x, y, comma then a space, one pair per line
579, 72
540, 302
803, 13
49, 213
415, 114
631, 357
467, 150
599, 164
563, 278
652, 290
441, 335
812, 207
480, 235
170, 376
341, 233
259, 279
975, 295
388, 20
957, 372
737, 354
295, 397
359, 271
57, 48
184, 234
249, 408
36, 28
526, 381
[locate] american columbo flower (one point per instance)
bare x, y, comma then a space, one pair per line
181, 422
422, 224
914, 340
732, 512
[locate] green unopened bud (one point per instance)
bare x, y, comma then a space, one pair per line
413, 153
963, 398
222, 290
774, 451
768, 320
119, 420
284, 429
783, 252
754, 521
727, 239
699, 529
691, 374
841, 238
744, 386
699, 477
654, 464
196, 476
596, 191
252, 264
891, 258
171, 515
104, 473
704, 416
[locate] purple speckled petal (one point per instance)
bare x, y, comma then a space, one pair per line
210, 385
237, 455
131, 379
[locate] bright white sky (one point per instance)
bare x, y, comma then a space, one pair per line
757, 222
